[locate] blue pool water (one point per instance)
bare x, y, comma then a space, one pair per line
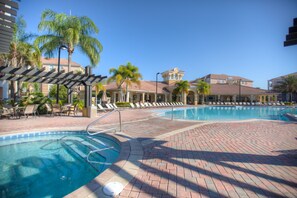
51, 164
225, 113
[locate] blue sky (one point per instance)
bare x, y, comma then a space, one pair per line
243, 38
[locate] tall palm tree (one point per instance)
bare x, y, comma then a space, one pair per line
72, 31
203, 88
287, 85
182, 87
125, 74
21, 52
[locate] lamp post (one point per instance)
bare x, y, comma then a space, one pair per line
63, 47
156, 86
239, 99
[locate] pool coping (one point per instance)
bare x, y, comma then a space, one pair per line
122, 170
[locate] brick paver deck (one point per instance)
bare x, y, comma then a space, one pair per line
251, 159
239, 159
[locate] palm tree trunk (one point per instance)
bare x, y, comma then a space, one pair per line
291, 96
202, 98
69, 61
127, 93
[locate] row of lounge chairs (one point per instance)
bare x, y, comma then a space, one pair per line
155, 104
139, 105
247, 103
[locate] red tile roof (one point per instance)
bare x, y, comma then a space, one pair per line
145, 86
54, 61
226, 89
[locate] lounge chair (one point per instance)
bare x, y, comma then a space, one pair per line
29, 110
49, 109
6, 112
137, 105
100, 108
72, 110
132, 105
109, 106
115, 106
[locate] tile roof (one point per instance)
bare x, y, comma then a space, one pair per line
145, 86
54, 61
293, 74
223, 77
226, 89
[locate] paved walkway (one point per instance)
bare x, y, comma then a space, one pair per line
250, 159
190, 159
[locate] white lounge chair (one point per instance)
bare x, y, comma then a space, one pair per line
100, 108
132, 105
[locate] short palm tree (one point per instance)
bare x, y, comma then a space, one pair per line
125, 74
182, 87
99, 87
287, 85
203, 88
72, 31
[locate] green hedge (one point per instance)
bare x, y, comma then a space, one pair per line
123, 104
289, 103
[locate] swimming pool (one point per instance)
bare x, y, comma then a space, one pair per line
227, 113
52, 164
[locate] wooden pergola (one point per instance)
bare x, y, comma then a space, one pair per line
69, 80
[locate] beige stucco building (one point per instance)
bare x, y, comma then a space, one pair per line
52, 63
223, 88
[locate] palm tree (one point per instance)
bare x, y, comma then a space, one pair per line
99, 87
182, 87
125, 74
203, 88
287, 85
72, 31
21, 52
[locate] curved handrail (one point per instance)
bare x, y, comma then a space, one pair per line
102, 117
95, 151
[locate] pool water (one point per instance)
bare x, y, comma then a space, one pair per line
225, 113
51, 165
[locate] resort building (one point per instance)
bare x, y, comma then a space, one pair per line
275, 81
223, 88
225, 79
52, 63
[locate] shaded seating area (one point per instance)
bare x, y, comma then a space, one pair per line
70, 80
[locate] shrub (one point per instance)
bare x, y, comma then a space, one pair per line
123, 104
289, 103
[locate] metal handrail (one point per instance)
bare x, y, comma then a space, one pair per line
102, 117
94, 122
95, 151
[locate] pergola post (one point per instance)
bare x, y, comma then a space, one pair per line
88, 110
69, 96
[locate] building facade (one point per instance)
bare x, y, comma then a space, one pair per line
223, 88
52, 63
272, 83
